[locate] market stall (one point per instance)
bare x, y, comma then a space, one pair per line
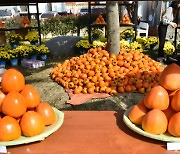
148, 125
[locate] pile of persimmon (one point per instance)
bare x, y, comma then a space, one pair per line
125, 19
25, 22
2, 25
21, 110
100, 20
101, 72
159, 111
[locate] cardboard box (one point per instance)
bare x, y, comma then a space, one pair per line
32, 64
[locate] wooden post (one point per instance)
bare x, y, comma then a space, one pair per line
2, 38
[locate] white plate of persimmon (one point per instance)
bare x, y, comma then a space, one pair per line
47, 131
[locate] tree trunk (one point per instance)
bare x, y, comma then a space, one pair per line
113, 30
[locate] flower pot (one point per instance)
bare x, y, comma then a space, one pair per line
2, 63
36, 43
129, 40
24, 58
14, 61
43, 57
153, 47
82, 51
33, 57
95, 39
14, 45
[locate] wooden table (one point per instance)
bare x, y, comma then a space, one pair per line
93, 132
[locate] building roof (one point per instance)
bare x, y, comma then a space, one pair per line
10, 2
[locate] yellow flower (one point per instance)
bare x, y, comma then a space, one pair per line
83, 44
98, 44
124, 44
13, 37
32, 36
135, 46
168, 48
42, 49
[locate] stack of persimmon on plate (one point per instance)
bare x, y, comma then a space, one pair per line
157, 115
23, 117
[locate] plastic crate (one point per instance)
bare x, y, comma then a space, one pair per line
32, 64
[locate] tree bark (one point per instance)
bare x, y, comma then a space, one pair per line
113, 31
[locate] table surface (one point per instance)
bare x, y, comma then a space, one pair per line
93, 132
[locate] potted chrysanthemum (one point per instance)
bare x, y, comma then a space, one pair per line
33, 37
13, 39
83, 45
14, 56
169, 48
152, 42
42, 51
4, 56
128, 35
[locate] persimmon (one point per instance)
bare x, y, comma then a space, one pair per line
175, 102
84, 91
94, 79
108, 90
155, 122
138, 112
141, 90
90, 90
157, 98
31, 96
71, 85
101, 83
97, 89
12, 80
80, 83
100, 78
133, 88
169, 78
32, 124
102, 89
113, 83
9, 129
2, 96
77, 90
112, 74
128, 88
113, 92
169, 112
83, 75
120, 62
139, 84
75, 80
120, 89
174, 125
89, 84
14, 104
47, 113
